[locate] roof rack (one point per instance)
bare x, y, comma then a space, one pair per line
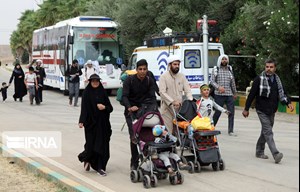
159, 40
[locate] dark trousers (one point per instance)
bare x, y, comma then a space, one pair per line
39, 95
133, 148
4, 95
229, 102
266, 134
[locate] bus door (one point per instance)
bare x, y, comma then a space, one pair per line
63, 83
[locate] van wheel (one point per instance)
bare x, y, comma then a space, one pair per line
108, 91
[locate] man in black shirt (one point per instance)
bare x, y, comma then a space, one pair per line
268, 90
138, 90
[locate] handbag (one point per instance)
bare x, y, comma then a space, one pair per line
146, 108
202, 123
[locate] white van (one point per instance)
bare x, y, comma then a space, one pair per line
191, 54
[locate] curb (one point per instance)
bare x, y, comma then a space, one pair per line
43, 171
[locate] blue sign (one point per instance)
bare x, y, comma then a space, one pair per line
119, 61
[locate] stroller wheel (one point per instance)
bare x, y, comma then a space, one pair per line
191, 164
183, 159
134, 176
154, 181
197, 167
221, 164
140, 175
215, 166
146, 181
173, 180
180, 178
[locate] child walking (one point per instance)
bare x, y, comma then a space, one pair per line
205, 104
31, 84
3, 91
163, 136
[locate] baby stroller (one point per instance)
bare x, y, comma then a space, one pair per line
201, 143
151, 169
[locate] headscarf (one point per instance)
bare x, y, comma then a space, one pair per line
220, 60
18, 71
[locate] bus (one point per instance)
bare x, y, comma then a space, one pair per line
83, 38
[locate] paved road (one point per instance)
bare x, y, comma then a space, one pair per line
243, 171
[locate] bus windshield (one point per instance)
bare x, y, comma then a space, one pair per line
96, 43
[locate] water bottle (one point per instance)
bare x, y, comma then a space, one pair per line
190, 131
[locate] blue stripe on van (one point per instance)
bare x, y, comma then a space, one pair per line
188, 77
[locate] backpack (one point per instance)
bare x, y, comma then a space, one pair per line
215, 73
123, 77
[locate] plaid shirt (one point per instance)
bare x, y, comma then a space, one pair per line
224, 78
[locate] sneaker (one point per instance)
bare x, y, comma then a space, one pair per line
278, 157
102, 173
87, 166
232, 134
262, 156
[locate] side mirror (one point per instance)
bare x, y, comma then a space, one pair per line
71, 39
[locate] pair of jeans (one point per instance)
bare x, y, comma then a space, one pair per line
229, 102
74, 92
134, 161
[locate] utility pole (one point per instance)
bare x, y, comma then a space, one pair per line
205, 49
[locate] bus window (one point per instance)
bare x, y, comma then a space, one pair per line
213, 55
192, 58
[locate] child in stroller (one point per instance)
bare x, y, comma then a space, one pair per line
151, 167
163, 136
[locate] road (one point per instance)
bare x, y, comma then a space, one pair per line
243, 171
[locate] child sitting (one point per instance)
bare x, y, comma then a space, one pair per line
163, 136
3, 91
205, 104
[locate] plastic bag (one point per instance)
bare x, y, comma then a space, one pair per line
203, 123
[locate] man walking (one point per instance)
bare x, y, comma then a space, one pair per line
268, 90
73, 75
223, 81
138, 90
41, 75
172, 87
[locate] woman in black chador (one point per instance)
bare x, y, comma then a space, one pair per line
94, 117
18, 77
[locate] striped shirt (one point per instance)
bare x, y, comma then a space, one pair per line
224, 77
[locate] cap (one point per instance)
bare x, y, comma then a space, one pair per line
173, 58
94, 76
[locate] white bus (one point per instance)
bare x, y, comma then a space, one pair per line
83, 38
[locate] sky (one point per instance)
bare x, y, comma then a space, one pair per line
10, 12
